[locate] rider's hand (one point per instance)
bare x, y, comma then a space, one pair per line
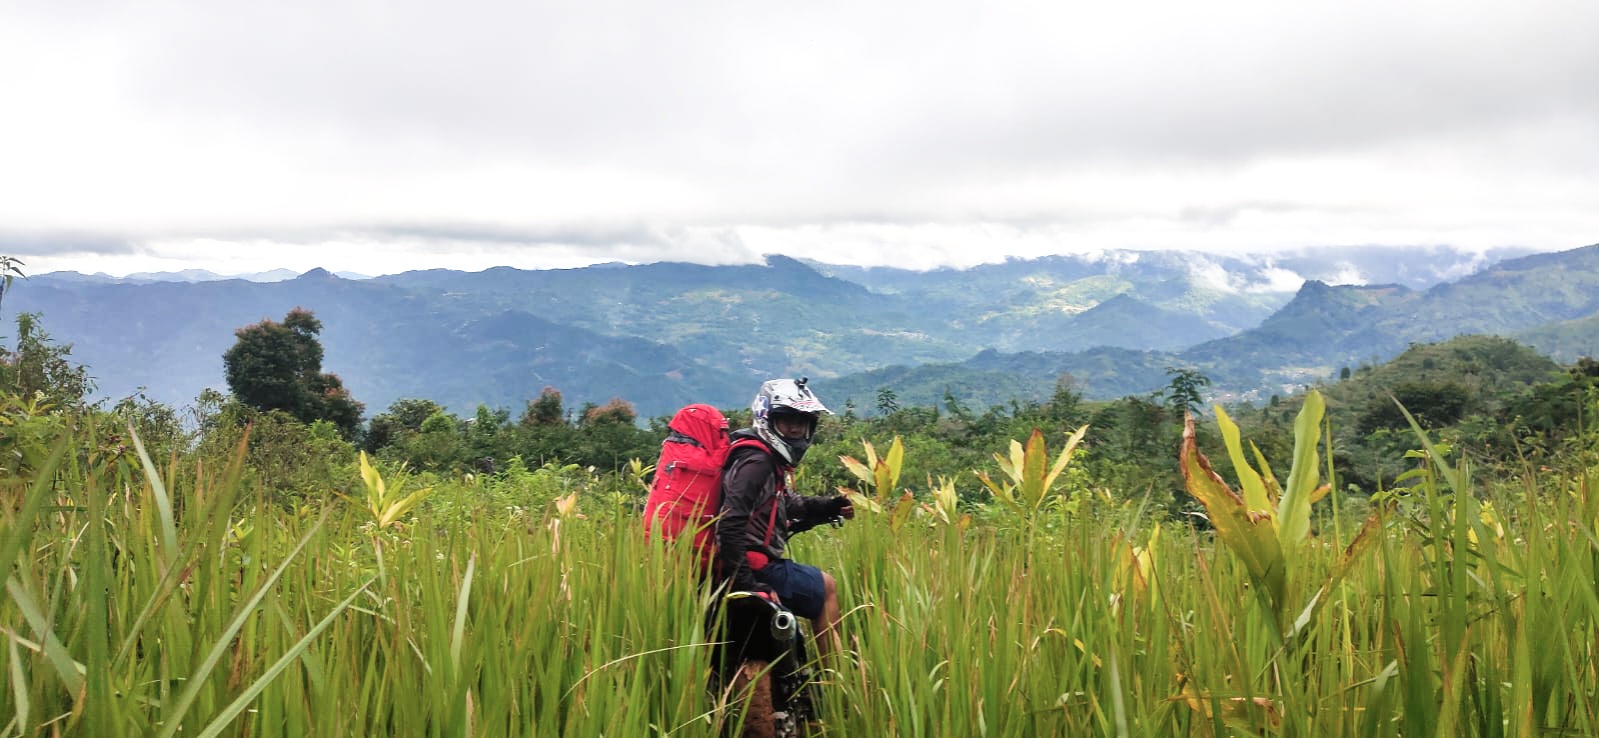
842, 508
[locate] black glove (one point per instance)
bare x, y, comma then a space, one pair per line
835, 506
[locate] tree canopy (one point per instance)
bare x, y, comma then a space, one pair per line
278, 366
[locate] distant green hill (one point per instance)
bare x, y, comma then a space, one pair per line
1565, 341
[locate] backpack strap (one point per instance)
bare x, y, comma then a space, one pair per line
777, 497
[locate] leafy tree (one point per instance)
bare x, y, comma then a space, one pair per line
403, 419
439, 444
1065, 406
43, 369
616, 412
1185, 392
887, 401
278, 366
546, 410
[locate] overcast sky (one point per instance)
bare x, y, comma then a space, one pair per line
382, 136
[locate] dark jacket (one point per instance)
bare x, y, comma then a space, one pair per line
760, 511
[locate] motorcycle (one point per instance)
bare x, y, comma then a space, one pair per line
761, 667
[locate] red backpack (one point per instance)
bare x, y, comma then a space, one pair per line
687, 491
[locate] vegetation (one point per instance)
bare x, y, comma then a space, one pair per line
1308, 566
178, 597
278, 366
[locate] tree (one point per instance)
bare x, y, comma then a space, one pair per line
403, 419
545, 411
278, 366
887, 401
616, 412
1065, 407
1185, 392
42, 368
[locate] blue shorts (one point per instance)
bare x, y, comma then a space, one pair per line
799, 585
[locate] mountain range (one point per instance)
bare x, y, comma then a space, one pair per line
664, 334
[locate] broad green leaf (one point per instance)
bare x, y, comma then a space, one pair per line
1254, 489
1293, 510
1252, 538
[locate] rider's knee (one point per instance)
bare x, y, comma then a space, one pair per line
829, 586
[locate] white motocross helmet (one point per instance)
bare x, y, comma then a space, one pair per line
786, 397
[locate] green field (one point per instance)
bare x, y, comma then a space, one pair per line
178, 600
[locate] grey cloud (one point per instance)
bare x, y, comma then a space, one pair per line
624, 81
600, 235
24, 244
716, 114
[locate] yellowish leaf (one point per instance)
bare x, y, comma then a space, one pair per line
902, 511
565, 506
856, 468
860, 501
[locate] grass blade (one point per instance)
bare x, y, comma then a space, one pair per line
163, 501
224, 718
196, 681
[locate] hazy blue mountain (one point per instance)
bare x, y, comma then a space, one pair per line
1127, 322
385, 343
100, 277
995, 378
660, 335
186, 275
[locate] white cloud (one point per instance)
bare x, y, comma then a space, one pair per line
898, 133
1350, 274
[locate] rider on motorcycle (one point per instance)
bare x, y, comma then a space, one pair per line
760, 509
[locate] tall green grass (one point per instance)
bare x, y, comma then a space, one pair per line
174, 601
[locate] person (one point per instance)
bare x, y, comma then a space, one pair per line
760, 510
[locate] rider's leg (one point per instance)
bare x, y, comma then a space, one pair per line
810, 593
825, 625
